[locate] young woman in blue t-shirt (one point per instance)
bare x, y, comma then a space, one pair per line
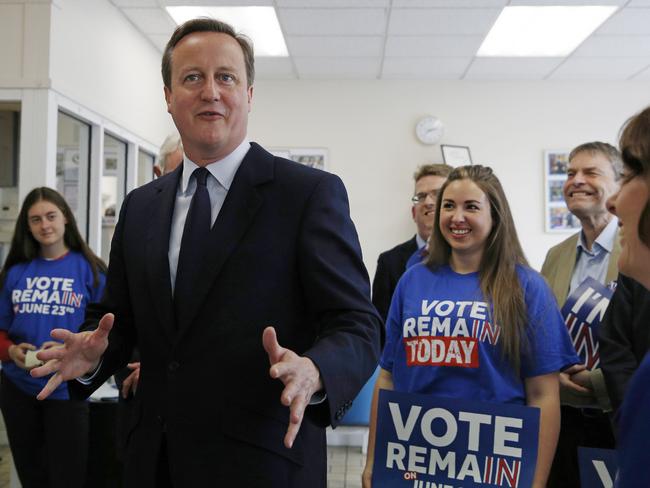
474, 321
49, 277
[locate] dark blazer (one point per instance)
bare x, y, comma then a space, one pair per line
282, 252
390, 267
624, 336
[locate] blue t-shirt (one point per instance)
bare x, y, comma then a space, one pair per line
634, 431
42, 295
440, 338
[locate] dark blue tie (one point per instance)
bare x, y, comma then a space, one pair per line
193, 243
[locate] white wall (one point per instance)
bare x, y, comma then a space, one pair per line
99, 60
369, 130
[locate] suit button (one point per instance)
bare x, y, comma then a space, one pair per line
173, 366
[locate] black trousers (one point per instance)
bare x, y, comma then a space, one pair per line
578, 428
48, 439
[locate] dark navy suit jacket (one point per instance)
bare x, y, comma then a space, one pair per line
282, 252
391, 265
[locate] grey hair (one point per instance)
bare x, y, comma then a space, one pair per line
171, 144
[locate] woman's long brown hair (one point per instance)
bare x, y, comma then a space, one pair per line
497, 272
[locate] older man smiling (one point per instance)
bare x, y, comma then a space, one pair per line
592, 177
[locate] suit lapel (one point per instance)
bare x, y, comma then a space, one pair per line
612, 266
157, 263
565, 266
239, 208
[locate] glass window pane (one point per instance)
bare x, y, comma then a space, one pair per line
72, 163
112, 188
145, 167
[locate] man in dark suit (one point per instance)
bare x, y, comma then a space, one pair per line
281, 264
391, 264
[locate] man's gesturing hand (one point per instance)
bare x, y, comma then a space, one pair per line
130, 384
79, 354
301, 380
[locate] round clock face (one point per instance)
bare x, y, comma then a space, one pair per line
429, 130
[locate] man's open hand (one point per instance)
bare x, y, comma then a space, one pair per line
301, 380
78, 355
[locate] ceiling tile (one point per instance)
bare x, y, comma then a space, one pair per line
274, 68
628, 21
448, 3
160, 40
599, 68
566, 2
333, 3
335, 46
643, 75
438, 46
425, 68
337, 68
511, 68
150, 20
217, 3
611, 46
426, 22
331, 22
639, 3
135, 3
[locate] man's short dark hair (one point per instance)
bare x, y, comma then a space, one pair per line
610, 152
432, 170
205, 24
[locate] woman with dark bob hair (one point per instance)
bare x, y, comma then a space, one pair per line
632, 207
49, 277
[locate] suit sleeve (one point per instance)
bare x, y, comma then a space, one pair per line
617, 357
381, 291
115, 300
337, 291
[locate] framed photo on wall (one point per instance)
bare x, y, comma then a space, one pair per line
557, 217
313, 157
456, 155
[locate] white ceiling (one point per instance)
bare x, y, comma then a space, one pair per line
420, 39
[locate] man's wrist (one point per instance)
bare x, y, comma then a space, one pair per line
88, 378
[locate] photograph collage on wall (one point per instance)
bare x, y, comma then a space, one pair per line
557, 217
312, 157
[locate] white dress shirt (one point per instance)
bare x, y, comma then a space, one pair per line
223, 173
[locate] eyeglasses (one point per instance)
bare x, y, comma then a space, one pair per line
421, 197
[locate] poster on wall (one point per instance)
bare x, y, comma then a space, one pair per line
557, 217
312, 157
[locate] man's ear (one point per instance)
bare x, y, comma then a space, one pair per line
249, 93
413, 212
168, 98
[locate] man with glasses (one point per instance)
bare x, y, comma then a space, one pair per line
391, 264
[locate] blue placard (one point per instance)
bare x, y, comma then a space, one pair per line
582, 312
597, 467
434, 442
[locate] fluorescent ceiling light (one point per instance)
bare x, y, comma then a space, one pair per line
542, 31
259, 23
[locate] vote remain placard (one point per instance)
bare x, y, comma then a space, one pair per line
435, 442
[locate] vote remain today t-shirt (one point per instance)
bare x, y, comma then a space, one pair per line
441, 338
